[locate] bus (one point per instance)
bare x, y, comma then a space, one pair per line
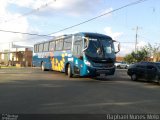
80, 54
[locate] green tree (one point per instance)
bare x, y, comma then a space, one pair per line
129, 59
143, 53
154, 51
138, 56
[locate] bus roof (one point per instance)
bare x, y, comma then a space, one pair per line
86, 34
89, 34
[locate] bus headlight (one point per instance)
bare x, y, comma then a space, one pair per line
87, 63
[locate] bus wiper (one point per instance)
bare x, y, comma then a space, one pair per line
99, 51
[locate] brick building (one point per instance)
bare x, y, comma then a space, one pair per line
21, 56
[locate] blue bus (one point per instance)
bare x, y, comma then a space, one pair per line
82, 54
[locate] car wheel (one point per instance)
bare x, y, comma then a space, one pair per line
134, 77
69, 71
157, 79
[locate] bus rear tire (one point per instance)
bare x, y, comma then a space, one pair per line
69, 71
43, 67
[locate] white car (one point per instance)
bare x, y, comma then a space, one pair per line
117, 64
121, 65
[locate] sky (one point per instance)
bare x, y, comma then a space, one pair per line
49, 16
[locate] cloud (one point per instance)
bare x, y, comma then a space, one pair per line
107, 11
114, 35
70, 7
14, 25
126, 49
141, 44
3, 4
77, 7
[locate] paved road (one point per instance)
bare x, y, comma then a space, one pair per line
29, 90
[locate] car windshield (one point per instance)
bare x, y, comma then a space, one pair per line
100, 48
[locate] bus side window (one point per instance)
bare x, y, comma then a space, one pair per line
51, 46
85, 43
35, 48
77, 48
59, 44
46, 46
67, 43
40, 47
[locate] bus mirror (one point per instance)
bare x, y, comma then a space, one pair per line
118, 48
86, 41
84, 50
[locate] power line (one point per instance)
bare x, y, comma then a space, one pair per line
128, 42
48, 35
15, 32
130, 4
31, 12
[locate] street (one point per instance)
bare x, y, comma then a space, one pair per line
32, 91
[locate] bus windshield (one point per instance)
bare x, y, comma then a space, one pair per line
99, 48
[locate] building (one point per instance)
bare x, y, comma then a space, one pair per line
21, 56
156, 57
119, 58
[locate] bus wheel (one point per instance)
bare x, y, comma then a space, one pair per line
43, 67
69, 71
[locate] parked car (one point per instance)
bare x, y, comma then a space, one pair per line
149, 71
117, 64
121, 65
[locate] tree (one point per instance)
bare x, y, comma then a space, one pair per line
129, 59
141, 55
154, 51
138, 56
144, 53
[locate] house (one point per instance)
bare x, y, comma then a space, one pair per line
21, 56
119, 58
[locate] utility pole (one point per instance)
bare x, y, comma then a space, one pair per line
136, 40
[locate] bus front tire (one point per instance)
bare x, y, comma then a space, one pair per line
69, 71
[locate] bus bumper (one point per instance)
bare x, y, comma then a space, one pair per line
98, 71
